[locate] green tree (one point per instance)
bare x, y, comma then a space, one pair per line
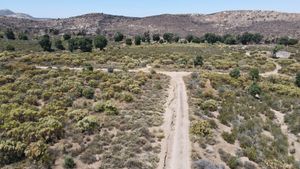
58, 44
257, 38
100, 42
71, 45
298, 79
128, 41
9, 34
137, 40
254, 74
212, 38
168, 37
235, 73
176, 38
198, 61
66, 36
229, 39
147, 36
22, 36
156, 37
118, 37
245, 38
196, 40
189, 38
45, 43
84, 44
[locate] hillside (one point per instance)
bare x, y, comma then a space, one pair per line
269, 23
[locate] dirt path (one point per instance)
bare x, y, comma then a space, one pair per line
274, 72
176, 147
292, 139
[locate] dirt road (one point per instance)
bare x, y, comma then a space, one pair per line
176, 150
176, 146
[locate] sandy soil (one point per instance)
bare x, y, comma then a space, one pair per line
176, 147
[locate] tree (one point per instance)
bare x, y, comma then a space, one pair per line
58, 44
10, 34
168, 37
229, 39
176, 38
100, 42
22, 36
118, 37
198, 61
293, 41
45, 43
137, 40
147, 36
66, 36
245, 38
84, 44
128, 42
189, 38
298, 79
254, 74
257, 38
212, 38
156, 37
235, 73
71, 45
197, 40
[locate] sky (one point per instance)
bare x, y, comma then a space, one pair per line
140, 8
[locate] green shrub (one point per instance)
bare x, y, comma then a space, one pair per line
98, 107
45, 43
254, 89
88, 92
297, 81
137, 40
11, 151
69, 162
235, 73
210, 105
233, 162
201, 128
118, 37
198, 61
254, 74
251, 153
58, 44
229, 137
88, 124
37, 151
10, 48
110, 109
128, 42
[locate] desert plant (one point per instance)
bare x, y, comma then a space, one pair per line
156, 37
88, 124
9, 34
254, 89
88, 92
69, 162
201, 128
10, 48
198, 61
137, 40
235, 73
254, 74
58, 44
210, 105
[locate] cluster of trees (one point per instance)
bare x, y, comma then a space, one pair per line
84, 44
9, 34
245, 38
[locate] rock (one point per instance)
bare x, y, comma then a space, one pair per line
293, 151
205, 164
210, 149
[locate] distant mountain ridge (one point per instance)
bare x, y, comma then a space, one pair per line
9, 13
268, 23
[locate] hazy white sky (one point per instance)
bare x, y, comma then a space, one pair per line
66, 8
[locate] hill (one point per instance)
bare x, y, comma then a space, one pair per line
269, 23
